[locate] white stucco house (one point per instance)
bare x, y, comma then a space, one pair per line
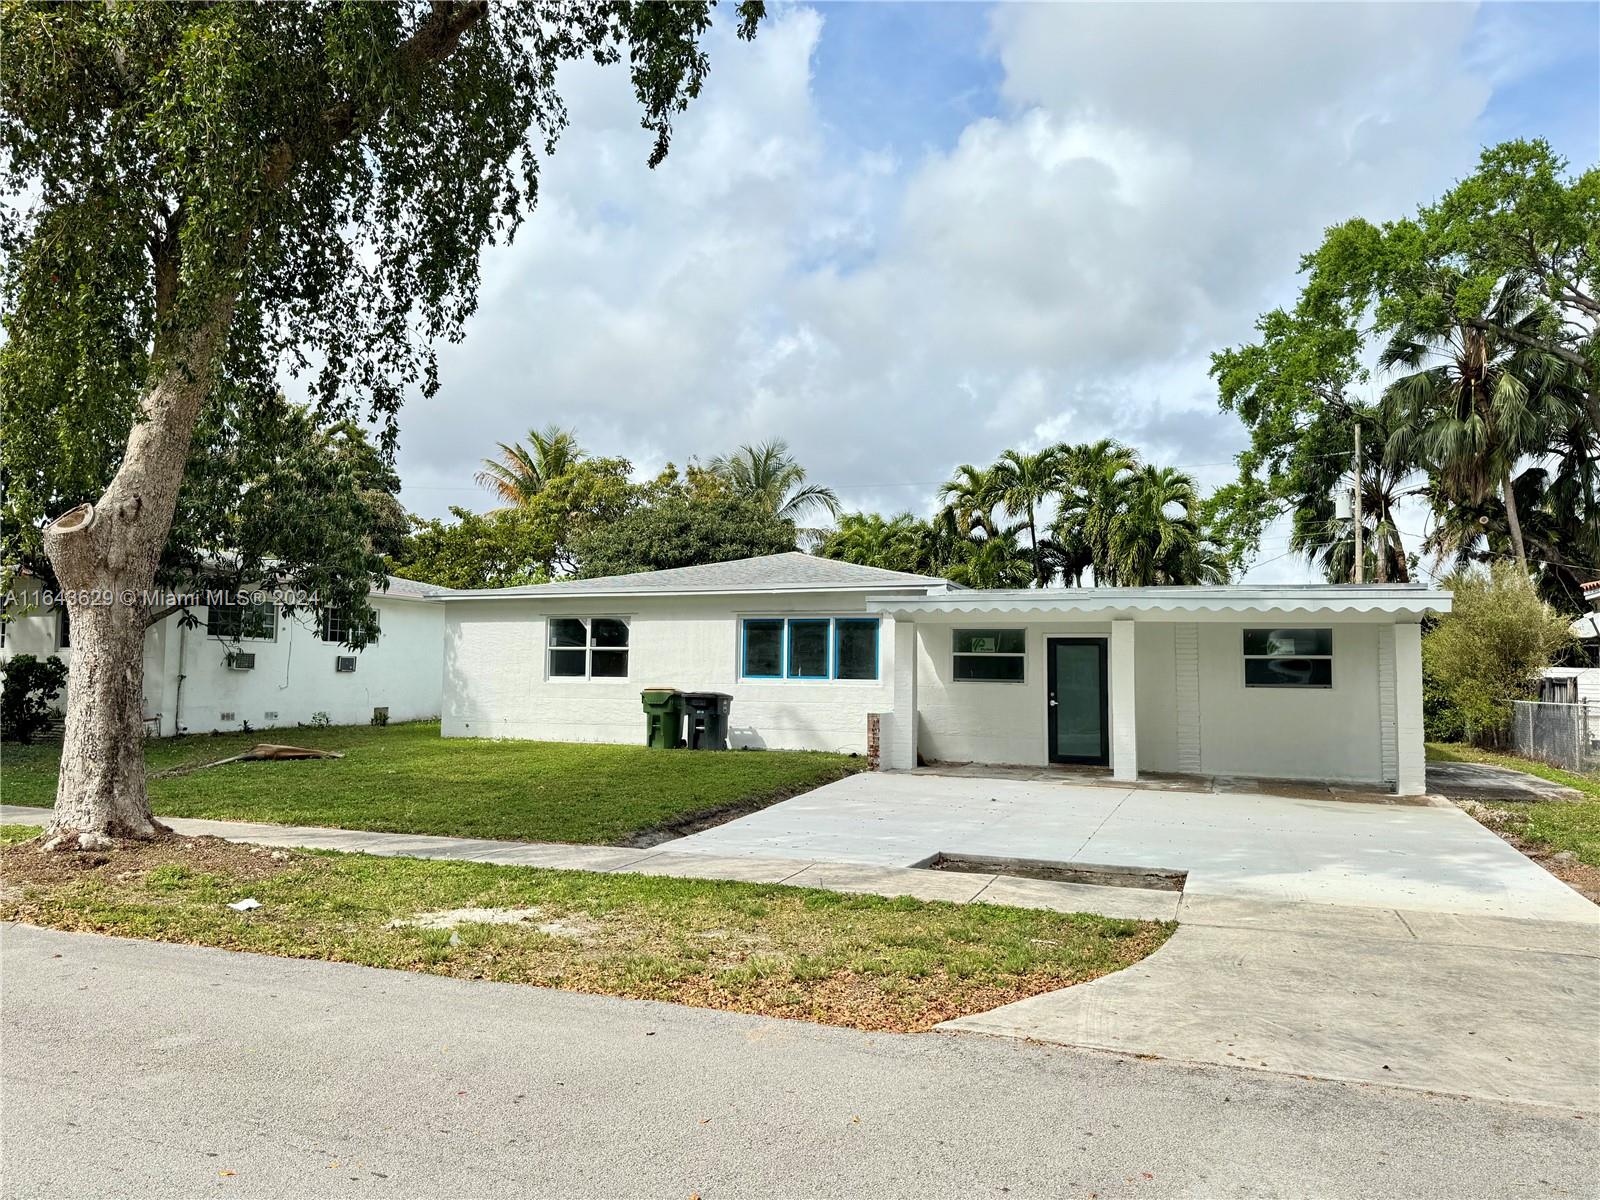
261, 665
1319, 682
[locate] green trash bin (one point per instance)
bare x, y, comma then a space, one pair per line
663, 718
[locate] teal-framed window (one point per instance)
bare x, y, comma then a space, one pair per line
809, 649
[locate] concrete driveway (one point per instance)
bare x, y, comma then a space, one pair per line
1428, 857
1382, 943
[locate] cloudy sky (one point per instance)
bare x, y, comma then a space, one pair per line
906, 236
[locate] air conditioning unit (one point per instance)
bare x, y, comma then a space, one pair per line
241, 661
345, 664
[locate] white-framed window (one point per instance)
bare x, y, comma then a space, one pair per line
1288, 658
989, 655
809, 648
333, 625
253, 622
587, 647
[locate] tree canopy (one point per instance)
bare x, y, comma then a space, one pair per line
1475, 322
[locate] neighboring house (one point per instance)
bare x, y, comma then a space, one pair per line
1318, 682
1576, 685
264, 666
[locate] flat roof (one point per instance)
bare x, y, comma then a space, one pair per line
1402, 599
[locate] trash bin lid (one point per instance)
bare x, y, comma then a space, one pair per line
659, 693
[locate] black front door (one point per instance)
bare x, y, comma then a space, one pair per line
1077, 701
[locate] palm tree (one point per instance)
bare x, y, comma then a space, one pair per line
522, 472
1156, 536
970, 498
992, 562
1096, 483
1023, 482
768, 474
1486, 402
870, 539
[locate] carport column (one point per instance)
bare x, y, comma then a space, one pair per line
1124, 728
1411, 777
900, 754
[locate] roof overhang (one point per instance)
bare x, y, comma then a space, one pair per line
1347, 601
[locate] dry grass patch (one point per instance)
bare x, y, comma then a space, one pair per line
860, 961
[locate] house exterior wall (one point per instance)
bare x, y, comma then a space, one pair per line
1192, 710
497, 682
1291, 733
293, 679
971, 721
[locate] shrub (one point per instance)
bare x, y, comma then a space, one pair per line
1488, 651
25, 700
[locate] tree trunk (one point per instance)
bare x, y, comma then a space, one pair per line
1513, 522
105, 556
1033, 542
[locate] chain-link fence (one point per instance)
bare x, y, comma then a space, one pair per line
1563, 735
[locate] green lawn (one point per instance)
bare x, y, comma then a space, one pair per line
1559, 825
861, 961
407, 779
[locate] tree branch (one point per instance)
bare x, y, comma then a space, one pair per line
434, 40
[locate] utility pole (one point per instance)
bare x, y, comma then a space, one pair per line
1361, 562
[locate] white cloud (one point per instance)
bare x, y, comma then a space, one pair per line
1062, 271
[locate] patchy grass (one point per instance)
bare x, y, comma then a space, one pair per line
407, 779
18, 833
1552, 826
860, 961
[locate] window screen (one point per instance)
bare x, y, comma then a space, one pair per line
856, 649
763, 649
808, 649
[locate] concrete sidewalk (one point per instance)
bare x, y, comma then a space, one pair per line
1138, 903
1466, 1004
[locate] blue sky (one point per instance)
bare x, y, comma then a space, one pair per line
903, 236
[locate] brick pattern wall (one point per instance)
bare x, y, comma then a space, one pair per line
874, 724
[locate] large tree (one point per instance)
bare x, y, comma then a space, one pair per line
215, 192
521, 472
768, 475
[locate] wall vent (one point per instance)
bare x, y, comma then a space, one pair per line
228, 716
345, 664
270, 716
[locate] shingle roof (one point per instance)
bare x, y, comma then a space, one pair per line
411, 589
791, 572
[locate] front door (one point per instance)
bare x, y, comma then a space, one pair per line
1077, 700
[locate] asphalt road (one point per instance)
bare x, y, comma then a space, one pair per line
138, 1069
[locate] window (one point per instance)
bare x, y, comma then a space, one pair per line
989, 655
1288, 658
333, 625
63, 628
588, 647
814, 648
242, 622
855, 653
808, 650
763, 649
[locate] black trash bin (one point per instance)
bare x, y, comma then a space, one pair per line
705, 720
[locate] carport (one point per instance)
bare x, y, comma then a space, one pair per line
1315, 682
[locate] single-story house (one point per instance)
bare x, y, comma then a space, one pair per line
258, 664
1319, 682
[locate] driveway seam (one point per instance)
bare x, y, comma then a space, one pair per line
1096, 832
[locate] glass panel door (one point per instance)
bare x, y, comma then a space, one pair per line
1077, 699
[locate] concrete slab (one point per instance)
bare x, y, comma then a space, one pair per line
1249, 845
558, 857
710, 866
1502, 1024
882, 881
1325, 920
1137, 903
1487, 782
